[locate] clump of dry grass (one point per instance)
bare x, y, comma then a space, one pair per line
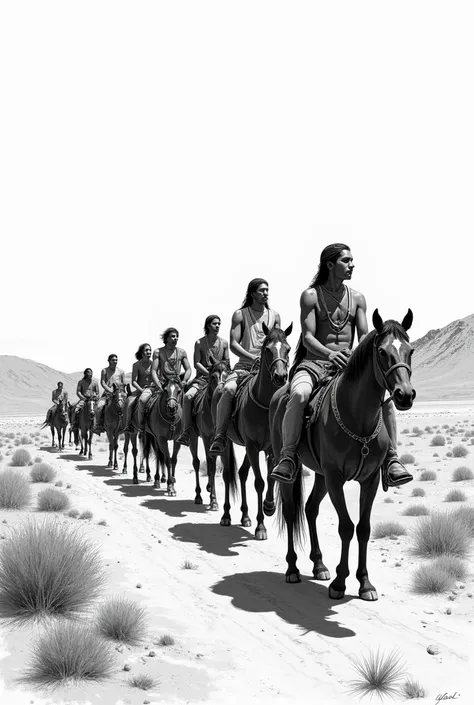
70, 651
52, 500
143, 681
429, 579
407, 459
438, 535
411, 689
455, 496
42, 472
460, 451
418, 492
188, 565
15, 490
427, 476
462, 473
451, 565
20, 458
73, 513
465, 516
166, 640
46, 567
388, 500
388, 528
123, 620
86, 514
379, 674
38, 459
415, 510
438, 440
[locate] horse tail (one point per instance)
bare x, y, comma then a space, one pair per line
298, 509
233, 472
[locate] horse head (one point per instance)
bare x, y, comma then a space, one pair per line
119, 396
276, 353
392, 359
173, 389
63, 410
218, 373
90, 406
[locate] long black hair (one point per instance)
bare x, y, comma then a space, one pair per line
208, 322
251, 289
141, 348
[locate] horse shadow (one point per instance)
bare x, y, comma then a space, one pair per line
305, 605
213, 538
128, 489
175, 508
74, 458
95, 470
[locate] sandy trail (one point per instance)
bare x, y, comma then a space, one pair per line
241, 632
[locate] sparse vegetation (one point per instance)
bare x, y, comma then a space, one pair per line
452, 565
429, 579
15, 490
86, 514
465, 516
48, 567
388, 500
411, 689
102, 522
418, 492
73, 513
455, 496
52, 500
143, 681
462, 473
42, 472
379, 674
407, 459
38, 459
415, 510
20, 458
417, 431
438, 534
123, 620
388, 528
438, 440
166, 640
70, 651
188, 565
427, 475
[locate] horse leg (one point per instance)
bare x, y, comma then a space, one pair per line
243, 475
292, 574
193, 447
211, 473
89, 437
259, 484
368, 490
172, 471
115, 451
320, 571
146, 455
269, 501
228, 462
125, 453
53, 444
335, 486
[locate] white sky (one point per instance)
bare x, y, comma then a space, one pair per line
156, 156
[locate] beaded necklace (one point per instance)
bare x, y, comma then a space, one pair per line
339, 324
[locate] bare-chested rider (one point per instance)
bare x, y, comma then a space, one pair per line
207, 350
109, 376
57, 396
142, 384
246, 340
331, 313
169, 360
86, 388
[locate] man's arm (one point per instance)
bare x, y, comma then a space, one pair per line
156, 353
154, 372
78, 391
362, 326
225, 354
198, 366
55, 401
135, 384
308, 319
187, 367
236, 336
103, 381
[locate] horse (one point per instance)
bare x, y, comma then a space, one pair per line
163, 424
59, 422
72, 432
86, 424
113, 417
131, 436
250, 428
347, 440
204, 427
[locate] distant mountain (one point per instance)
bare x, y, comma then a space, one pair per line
443, 362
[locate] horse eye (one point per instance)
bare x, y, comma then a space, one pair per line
382, 352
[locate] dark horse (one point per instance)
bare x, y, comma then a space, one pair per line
250, 428
347, 441
131, 436
163, 424
86, 424
59, 422
113, 418
204, 427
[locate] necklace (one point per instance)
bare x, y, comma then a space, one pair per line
340, 323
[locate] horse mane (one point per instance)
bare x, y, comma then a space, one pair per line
361, 356
276, 335
219, 366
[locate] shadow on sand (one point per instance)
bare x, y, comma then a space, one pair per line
213, 538
175, 507
306, 605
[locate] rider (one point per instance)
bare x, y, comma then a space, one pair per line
141, 381
331, 313
109, 375
246, 340
57, 396
86, 388
207, 350
169, 359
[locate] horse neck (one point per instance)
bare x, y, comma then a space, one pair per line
359, 402
262, 385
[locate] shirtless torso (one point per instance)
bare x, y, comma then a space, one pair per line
206, 350
87, 388
109, 376
141, 373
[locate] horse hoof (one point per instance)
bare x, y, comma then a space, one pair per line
163, 478
198, 500
369, 595
148, 478
246, 522
135, 480
124, 471
336, 594
226, 521
261, 534
268, 508
156, 485
214, 507
141, 470
109, 466
208, 488
321, 574
293, 577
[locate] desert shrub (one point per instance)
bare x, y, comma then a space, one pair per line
25, 440
418, 492
427, 475
449, 454
20, 458
52, 500
439, 534
86, 514
405, 430
58, 483
10, 435
411, 689
122, 619
455, 496
378, 674
428, 429
438, 440
407, 459
1, 457
388, 528
70, 651
73, 513
415, 510
460, 451
166, 640
465, 516
429, 579
469, 434
188, 565
38, 459
15, 490
48, 567
143, 681
462, 473
451, 565
417, 431
42, 472
16, 442
445, 425
388, 500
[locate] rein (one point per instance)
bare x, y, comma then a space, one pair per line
269, 368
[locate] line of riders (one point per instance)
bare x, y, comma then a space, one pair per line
331, 314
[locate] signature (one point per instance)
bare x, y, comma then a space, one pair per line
446, 696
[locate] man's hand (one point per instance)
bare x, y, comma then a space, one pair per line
339, 358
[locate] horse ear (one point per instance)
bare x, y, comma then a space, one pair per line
408, 320
265, 328
289, 329
377, 320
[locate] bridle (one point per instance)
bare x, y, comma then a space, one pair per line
269, 367
381, 375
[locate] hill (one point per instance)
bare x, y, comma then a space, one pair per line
443, 362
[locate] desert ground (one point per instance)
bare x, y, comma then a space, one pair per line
241, 633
